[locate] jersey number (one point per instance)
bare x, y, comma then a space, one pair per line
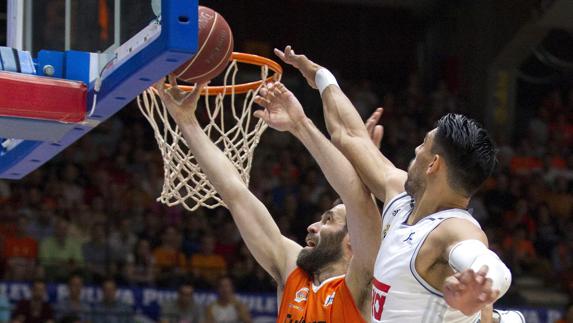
379, 293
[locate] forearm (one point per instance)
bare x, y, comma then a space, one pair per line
362, 214
220, 171
349, 134
337, 169
257, 227
341, 117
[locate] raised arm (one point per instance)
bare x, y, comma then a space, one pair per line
274, 252
284, 113
348, 131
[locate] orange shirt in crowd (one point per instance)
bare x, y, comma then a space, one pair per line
331, 302
525, 164
209, 267
24, 247
169, 258
522, 247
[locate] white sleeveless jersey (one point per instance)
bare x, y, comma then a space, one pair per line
399, 294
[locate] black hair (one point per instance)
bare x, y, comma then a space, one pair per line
468, 151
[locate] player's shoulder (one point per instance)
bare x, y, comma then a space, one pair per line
458, 228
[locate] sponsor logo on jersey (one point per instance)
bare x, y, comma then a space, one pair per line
301, 295
379, 293
409, 238
329, 299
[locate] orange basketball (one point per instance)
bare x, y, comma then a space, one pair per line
215, 45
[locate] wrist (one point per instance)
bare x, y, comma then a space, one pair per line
301, 126
323, 79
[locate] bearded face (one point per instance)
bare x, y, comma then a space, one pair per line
323, 250
416, 181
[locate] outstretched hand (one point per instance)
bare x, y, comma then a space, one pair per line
469, 291
180, 104
375, 130
307, 67
282, 110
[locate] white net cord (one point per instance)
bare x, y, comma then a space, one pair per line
231, 128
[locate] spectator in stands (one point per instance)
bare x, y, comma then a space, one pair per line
519, 251
73, 305
60, 254
41, 225
563, 252
194, 227
547, 229
229, 239
560, 199
123, 240
20, 252
227, 308
184, 309
206, 265
98, 255
111, 310
140, 265
169, 259
36, 309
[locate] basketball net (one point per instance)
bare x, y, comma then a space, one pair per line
230, 126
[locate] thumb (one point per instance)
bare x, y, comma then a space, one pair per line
259, 114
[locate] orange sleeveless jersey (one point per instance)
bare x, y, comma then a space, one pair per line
330, 303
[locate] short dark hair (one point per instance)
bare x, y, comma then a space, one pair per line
336, 202
467, 150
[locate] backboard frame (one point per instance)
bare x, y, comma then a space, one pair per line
141, 61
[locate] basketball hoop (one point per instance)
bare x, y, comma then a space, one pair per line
229, 112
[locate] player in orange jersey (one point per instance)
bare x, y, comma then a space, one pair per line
329, 279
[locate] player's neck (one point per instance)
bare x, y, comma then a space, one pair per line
332, 270
435, 200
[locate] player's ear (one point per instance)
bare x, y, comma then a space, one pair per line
434, 164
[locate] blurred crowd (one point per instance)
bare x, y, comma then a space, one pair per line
73, 308
90, 214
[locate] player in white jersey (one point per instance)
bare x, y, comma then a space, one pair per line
433, 264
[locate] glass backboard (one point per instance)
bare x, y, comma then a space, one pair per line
115, 48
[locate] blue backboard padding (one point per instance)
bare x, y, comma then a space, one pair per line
50, 57
77, 66
176, 44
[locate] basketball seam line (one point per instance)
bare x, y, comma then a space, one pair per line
201, 49
229, 48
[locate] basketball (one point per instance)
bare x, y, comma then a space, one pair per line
215, 45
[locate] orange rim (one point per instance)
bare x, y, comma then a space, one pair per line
244, 87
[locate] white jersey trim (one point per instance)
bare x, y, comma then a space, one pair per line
316, 288
417, 276
395, 199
